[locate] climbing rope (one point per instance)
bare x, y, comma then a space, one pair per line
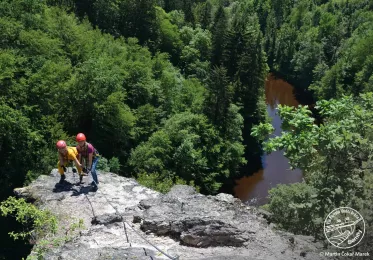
171, 257
125, 230
93, 211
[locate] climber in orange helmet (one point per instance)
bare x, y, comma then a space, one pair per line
66, 154
90, 155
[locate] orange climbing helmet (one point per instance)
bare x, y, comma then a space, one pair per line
80, 137
61, 144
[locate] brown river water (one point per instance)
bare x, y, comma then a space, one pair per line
276, 169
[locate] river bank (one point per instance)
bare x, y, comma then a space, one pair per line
253, 188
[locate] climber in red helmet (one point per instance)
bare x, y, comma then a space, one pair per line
66, 154
88, 157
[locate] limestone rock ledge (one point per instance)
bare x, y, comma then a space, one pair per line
182, 223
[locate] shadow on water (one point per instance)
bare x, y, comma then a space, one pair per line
262, 171
253, 165
253, 154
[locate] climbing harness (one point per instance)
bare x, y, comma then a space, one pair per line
125, 230
85, 156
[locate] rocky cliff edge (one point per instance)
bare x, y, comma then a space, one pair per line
124, 220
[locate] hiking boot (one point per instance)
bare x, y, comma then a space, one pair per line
63, 177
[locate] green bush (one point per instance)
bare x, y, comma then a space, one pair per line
102, 164
114, 165
162, 184
292, 208
41, 226
40, 222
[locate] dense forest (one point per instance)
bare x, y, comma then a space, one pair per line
170, 92
161, 93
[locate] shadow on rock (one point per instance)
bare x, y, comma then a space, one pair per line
61, 187
74, 187
82, 190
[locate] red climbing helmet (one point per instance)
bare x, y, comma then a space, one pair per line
80, 137
61, 144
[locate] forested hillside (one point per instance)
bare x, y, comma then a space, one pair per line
165, 95
321, 46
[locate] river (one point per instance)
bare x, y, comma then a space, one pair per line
276, 170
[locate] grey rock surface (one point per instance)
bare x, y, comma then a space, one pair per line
183, 223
